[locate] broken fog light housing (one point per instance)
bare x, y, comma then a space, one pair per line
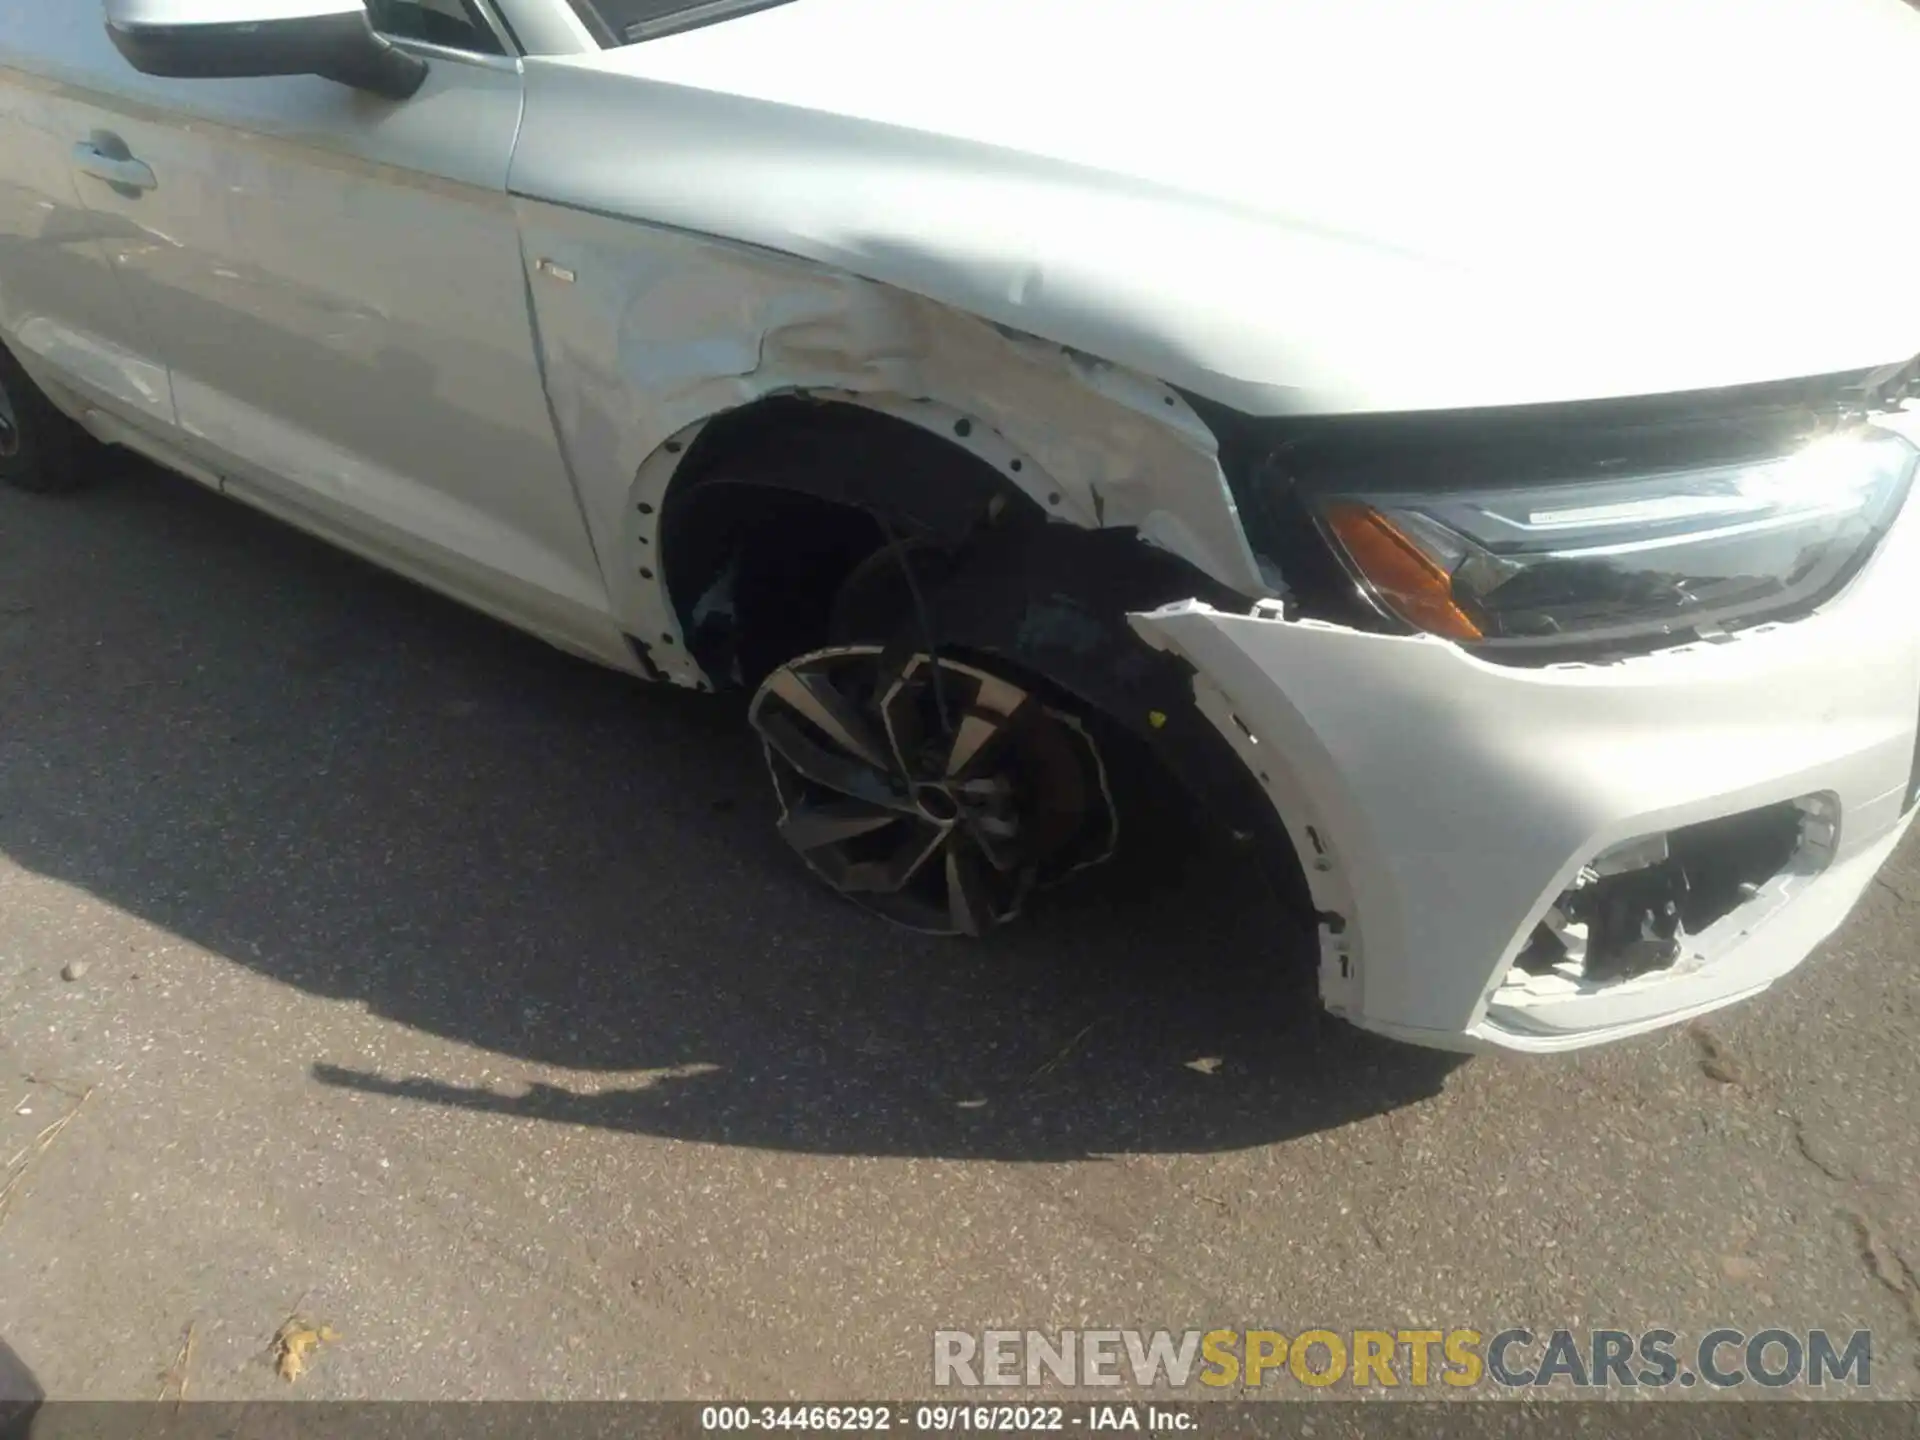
1633, 908
1686, 551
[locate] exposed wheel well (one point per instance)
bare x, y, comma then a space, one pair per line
777, 504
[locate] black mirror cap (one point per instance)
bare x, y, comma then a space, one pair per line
342, 47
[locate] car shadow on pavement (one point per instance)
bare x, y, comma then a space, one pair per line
367, 793
18, 1388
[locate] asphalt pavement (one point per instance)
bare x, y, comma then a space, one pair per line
458, 995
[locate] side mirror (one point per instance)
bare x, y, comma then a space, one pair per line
227, 39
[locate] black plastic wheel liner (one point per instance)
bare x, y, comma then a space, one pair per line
1052, 600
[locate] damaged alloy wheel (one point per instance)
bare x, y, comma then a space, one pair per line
930, 791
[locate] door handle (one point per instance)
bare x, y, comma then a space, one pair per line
121, 171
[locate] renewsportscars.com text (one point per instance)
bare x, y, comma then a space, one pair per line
1517, 1358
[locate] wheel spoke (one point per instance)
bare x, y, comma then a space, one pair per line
1003, 852
896, 872
969, 895
813, 825
899, 707
997, 712
812, 697
844, 774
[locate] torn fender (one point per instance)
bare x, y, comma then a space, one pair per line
647, 333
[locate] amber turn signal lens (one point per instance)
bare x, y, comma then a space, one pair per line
1404, 575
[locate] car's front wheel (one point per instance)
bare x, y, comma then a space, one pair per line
928, 788
40, 449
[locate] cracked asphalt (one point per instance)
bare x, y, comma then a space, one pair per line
458, 995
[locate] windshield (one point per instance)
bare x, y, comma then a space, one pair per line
626, 22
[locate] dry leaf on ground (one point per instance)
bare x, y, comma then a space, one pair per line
295, 1342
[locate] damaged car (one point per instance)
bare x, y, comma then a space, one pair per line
1468, 446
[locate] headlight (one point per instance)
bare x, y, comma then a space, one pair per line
1647, 554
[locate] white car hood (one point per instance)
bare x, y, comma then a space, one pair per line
1305, 205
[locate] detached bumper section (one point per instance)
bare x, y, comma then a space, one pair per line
1541, 859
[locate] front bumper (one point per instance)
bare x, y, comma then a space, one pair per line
1441, 804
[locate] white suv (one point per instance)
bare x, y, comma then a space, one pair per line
1466, 443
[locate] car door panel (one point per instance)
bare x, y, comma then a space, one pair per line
337, 287
62, 309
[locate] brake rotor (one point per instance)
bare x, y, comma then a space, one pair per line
934, 793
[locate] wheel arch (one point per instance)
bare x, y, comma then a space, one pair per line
1048, 599
833, 447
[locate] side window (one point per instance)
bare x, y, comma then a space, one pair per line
454, 23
